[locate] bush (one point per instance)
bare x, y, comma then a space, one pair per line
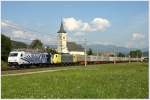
4, 65
6, 47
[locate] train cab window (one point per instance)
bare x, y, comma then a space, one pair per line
13, 54
21, 55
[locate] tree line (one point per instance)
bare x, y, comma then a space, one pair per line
7, 45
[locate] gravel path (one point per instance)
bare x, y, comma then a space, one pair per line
25, 73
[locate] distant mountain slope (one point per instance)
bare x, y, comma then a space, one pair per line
94, 47
18, 44
111, 48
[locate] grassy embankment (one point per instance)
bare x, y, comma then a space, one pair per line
94, 81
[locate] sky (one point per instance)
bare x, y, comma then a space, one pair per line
117, 23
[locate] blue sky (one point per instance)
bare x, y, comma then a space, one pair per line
126, 23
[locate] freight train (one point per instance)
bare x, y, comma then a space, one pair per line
20, 58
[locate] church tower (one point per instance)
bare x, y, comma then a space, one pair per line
62, 40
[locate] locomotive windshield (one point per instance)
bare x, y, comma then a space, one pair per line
13, 54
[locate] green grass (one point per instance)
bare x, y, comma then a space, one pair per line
95, 81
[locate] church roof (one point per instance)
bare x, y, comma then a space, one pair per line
61, 28
72, 46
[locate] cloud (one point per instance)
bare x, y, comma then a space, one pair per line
96, 25
79, 34
15, 32
86, 27
137, 40
8, 24
72, 24
100, 24
18, 33
3, 24
137, 36
24, 35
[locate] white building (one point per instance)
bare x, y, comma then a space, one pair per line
77, 52
62, 40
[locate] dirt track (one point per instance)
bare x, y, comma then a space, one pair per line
25, 73
35, 70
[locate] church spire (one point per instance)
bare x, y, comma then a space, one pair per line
61, 28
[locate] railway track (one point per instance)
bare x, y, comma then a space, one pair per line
57, 65
14, 70
39, 66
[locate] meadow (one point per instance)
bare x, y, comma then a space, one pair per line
122, 80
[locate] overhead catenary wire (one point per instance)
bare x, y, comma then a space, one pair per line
28, 30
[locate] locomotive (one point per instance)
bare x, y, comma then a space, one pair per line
28, 58
19, 58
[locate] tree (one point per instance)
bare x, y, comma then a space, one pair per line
90, 52
135, 53
50, 50
5, 47
36, 44
120, 54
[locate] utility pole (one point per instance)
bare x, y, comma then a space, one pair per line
97, 51
129, 55
142, 57
117, 55
137, 56
97, 54
85, 60
114, 57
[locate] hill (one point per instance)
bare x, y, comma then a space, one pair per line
77, 47
18, 44
110, 48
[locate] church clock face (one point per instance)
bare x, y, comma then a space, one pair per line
63, 38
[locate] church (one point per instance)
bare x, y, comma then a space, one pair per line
63, 44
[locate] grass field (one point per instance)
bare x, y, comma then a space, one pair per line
94, 81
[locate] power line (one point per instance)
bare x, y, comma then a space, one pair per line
25, 29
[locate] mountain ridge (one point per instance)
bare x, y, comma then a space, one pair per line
112, 48
95, 47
